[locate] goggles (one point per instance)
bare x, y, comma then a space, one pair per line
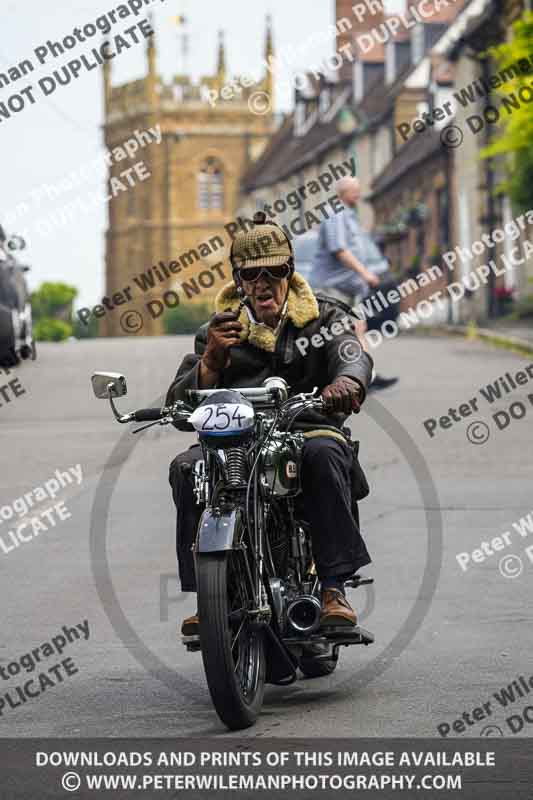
251, 274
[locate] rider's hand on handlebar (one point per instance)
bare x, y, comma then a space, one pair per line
343, 395
223, 332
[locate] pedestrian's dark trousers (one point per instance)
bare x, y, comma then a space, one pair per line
338, 547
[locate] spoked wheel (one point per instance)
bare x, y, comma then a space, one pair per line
232, 644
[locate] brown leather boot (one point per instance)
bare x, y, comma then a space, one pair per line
190, 626
336, 610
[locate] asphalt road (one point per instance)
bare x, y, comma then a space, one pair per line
446, 640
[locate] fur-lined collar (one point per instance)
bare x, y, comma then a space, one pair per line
302, 308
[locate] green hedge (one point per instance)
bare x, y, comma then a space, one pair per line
52, 311
186, 318
48, 329
523, 309
83, 331
53, 300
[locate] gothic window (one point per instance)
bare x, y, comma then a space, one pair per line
211, 185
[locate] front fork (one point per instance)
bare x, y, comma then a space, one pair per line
221, 529
201, 483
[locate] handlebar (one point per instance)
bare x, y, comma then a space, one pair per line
149, 414
181, 411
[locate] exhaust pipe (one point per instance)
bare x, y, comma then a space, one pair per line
303, 614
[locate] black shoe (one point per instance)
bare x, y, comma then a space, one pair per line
381, 383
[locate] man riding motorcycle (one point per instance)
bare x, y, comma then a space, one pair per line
268, 322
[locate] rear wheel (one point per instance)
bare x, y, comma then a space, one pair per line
232, 644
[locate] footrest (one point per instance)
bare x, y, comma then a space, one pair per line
192, 643
358, 580
344, 635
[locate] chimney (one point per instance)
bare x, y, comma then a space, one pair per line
354, 18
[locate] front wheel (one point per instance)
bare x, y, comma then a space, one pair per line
232, 644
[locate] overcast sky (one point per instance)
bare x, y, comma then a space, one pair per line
48, 140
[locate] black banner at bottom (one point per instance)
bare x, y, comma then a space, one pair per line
477, 769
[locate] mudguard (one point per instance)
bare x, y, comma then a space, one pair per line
218, 532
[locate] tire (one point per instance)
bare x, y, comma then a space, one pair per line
8, 357
312, 668
236, 678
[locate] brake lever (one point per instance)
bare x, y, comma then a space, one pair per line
358, 580
181, 407
302, 397
164, 421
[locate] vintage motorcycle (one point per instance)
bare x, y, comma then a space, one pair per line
16, 329
258, 592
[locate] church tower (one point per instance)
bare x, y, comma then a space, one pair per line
172, 221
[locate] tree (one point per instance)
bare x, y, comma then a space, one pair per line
48, 329
515, 140
52, 311
186, 319
81, 330
53, 300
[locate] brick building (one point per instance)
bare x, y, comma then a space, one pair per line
422, 195
194, 184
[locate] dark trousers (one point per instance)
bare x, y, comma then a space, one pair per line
338, 547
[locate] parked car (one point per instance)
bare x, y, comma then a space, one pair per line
16, 332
